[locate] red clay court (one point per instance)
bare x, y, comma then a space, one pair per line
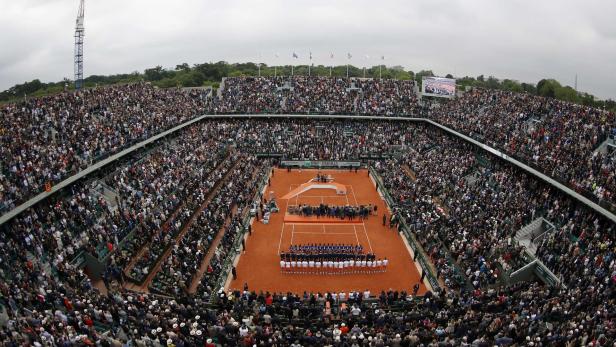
259, 266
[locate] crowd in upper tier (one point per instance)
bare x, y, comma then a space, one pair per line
320, 95
50, 138
561, 139
45, 140
190, 192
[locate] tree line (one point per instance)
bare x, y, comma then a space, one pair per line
210, 74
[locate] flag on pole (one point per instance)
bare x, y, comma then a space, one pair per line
310, 55
295, 55
349, 56
382, 57
331, 55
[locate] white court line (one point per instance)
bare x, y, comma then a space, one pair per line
321, 196
282, 231
347, 198
308, 223
280, 242
320, 233
354, 198
367, 237
323, 228
355, 232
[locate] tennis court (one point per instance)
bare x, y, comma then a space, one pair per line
259, 266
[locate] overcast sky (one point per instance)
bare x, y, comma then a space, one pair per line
522, 40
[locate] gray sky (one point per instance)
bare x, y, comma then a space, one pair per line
522, 40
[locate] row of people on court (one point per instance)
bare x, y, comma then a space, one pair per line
318, 248
323, 178
330, 267
325, 210
327, 256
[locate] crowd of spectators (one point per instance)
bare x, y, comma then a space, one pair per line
180, 268
161, 236
321, 95
559, 138
461, 206
44, 140
469, 211
553, 135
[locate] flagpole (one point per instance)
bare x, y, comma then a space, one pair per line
348, 59
276, 65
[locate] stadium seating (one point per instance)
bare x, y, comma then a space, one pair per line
155, 217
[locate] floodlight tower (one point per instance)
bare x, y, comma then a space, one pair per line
78, 59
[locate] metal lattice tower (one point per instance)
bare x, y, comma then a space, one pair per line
79, 33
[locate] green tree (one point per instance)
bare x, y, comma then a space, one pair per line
547, 87
567, 94
154, 74
182, 67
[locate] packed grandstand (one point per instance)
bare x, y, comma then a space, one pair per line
163, 221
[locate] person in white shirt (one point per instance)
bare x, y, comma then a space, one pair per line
379, 265
317, 265
282, 266
352, 266
342, 296
346, 266
366, 294
311, 266
385, 262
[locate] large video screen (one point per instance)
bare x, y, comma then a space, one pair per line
439, 86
